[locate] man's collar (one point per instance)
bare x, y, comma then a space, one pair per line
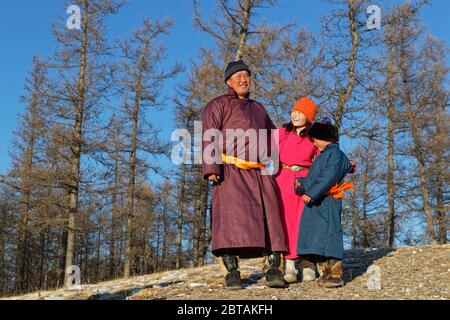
231, 92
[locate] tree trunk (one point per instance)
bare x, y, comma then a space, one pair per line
62, 249
243, 34
364, 224
354, 221
345, 94
203, 214
196, 236
84, 259
112, 239
418, 153
441, 206
26, 187
158, 241
147, 249
165, 240
76, 144
390, 221
181, 207
196, 231
426, 201
3, 280
44, 250
165, 234
129, 255
22, 248
42, 260
441, 173
97, 258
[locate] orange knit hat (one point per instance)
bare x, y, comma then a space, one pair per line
307, 107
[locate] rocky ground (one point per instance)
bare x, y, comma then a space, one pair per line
404, 273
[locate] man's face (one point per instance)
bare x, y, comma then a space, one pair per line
240, 82
320, 144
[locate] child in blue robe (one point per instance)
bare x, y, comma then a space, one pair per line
320, 237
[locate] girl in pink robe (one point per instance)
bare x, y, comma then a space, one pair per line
297, 152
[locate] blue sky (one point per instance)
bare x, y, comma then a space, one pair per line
25, 30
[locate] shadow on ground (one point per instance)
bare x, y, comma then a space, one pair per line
356, 262
124, 294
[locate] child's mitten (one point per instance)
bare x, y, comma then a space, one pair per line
298, 188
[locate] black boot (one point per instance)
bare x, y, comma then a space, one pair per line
274, 277
233, 278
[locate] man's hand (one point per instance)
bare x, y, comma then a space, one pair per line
306, 199
213, 177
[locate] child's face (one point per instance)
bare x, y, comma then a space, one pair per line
298, 119
320, 144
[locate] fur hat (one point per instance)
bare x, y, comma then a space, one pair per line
324, 130
235, 66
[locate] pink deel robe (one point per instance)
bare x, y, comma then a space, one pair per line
294, 150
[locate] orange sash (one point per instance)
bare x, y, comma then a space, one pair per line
242, 164
338, 191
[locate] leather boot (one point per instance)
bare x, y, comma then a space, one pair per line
274, 277
233, 277
332, 274
308, 269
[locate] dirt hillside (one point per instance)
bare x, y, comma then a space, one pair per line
403, 273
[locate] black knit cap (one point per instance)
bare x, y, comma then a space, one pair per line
235, 66
324, 130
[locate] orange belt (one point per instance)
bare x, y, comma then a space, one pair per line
338, 191
242, 164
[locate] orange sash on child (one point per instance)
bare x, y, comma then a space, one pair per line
338, 191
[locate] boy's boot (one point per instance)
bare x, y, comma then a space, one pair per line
274, 277
332, 274
308, 269
290, 272
233, 277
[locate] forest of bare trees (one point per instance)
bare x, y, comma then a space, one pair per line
79, 190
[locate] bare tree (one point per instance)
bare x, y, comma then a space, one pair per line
404, 33
111, 155
432, 58
348, 61
366, 205
84, 82
290, 68
142, 79
27, 136
7, 208
386, 95
204, 82
115, 135
233, 29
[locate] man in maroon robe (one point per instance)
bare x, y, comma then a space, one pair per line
246, 219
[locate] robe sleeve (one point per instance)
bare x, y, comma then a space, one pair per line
212, 117
330, 171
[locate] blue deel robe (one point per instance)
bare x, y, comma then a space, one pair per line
320, 227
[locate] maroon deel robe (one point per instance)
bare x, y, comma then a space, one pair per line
241, 198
